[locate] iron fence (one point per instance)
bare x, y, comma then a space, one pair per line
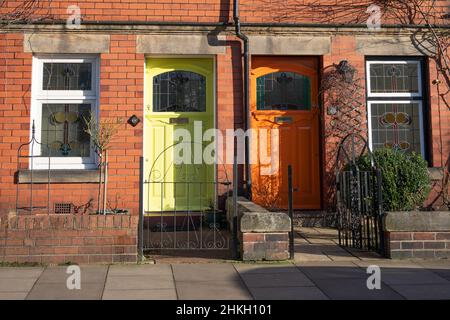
359, 197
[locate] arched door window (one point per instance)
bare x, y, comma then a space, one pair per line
283, 91
179, 91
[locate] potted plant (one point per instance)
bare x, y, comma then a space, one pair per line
213, 215
102, 134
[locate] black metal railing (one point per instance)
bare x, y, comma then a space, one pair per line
359, 198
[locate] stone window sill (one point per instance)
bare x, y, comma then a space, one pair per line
58, 176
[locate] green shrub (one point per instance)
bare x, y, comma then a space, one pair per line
405, 183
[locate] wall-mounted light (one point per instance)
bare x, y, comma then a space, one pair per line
133, 121
346, 69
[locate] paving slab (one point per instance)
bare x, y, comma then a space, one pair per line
363, 254
59, 291
387, 263
341, 256
301, 256
160, 294
9, 272
138, 283
400, 276
163, 270
13, 295
319, 248
16, 284
328, 231
265, 268
321, 240
328, 263
424, 292
216, 290
297, 279
298, 240
354, 289
442, 273
288, 293
335, 271
434, 264
204, 272
89, 274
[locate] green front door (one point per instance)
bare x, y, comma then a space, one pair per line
178, 110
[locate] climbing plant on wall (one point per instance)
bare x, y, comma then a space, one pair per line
343, 98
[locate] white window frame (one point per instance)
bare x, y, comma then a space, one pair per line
40, 97
420, 106
396, 94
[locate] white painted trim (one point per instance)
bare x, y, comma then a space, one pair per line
390, 94
40, 97
421, 125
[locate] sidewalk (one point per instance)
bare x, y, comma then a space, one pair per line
321, 270
322, 244
300, 280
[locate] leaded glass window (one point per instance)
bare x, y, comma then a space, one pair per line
395, 78
179, 91
63, 130
395, 121
64, 94
283, 91
67, 76
396, 125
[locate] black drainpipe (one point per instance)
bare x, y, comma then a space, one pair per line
246, 95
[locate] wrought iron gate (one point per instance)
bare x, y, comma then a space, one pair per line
195, 221
359, 197
197, 228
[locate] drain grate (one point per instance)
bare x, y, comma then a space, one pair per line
63, 208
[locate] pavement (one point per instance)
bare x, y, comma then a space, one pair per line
321, 270
312, 280
322, 244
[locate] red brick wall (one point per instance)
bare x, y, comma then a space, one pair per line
68, 238
342, 48
264, 246
15, 93
421, 245
288, 11
229, 92
440, 119
122, 85
121, 95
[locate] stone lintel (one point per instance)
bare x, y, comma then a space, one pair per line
290, 45
66, 43
392, 45
180, 44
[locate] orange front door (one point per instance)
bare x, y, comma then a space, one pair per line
284, 113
